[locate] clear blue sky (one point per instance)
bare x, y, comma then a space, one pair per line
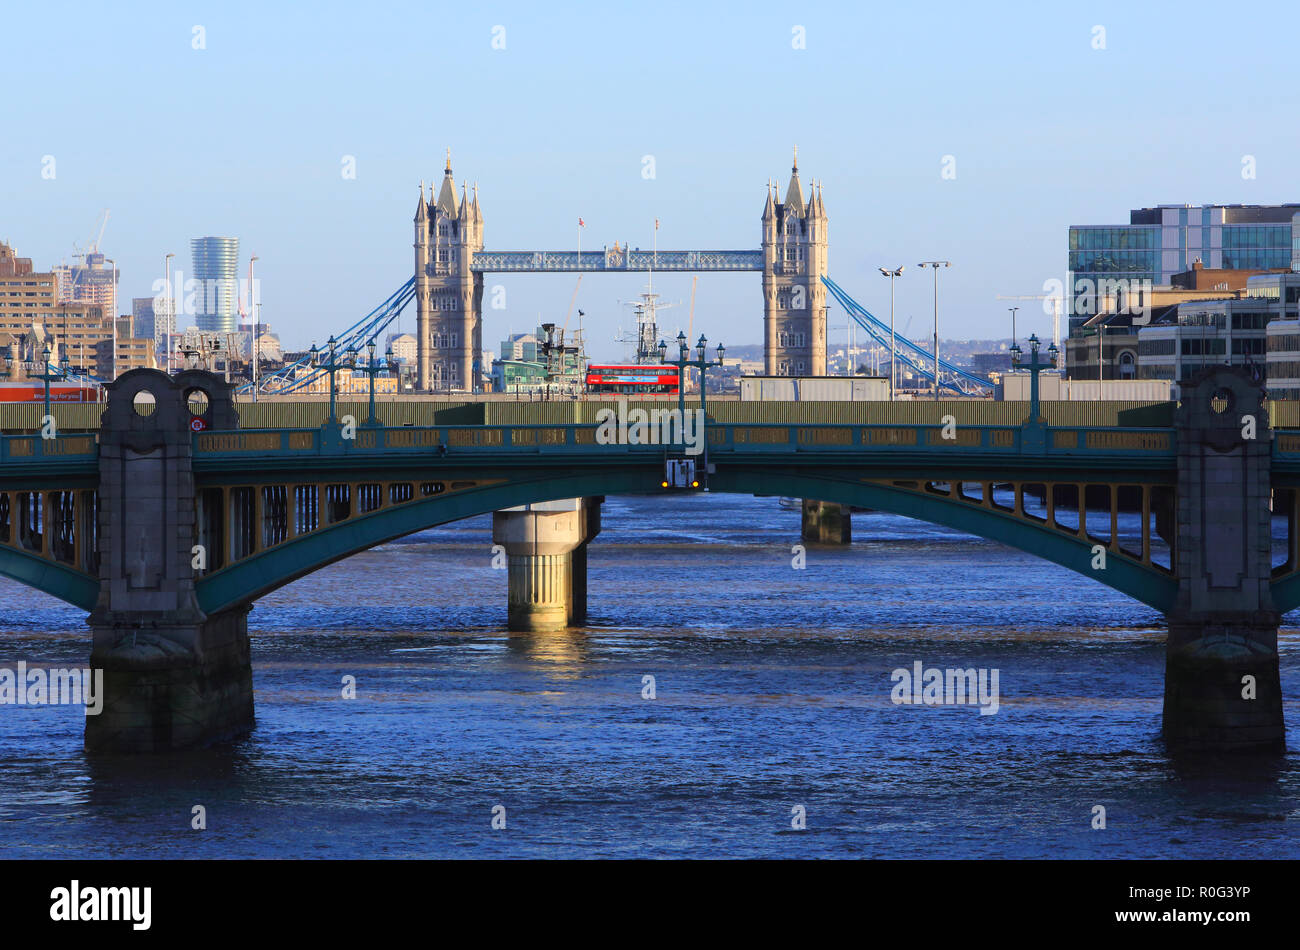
247, 136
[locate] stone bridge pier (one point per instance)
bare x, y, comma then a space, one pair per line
546, 549
1222, 683
173, 676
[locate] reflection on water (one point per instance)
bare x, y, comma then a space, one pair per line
561, 653
772, 689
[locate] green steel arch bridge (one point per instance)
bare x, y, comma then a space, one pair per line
170, 521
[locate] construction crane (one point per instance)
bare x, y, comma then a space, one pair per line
94, 245
1056, 311
572, 301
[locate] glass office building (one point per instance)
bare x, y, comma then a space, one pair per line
1165, 240
216, 263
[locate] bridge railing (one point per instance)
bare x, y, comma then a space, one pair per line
1286, 443
26, 448
732, 438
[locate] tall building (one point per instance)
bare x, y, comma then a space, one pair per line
794, 298
143, 320
448, 293
27, 298
216, 262
1162, 241
1257, 330
404, 347
521, 346
85, 331
94, 281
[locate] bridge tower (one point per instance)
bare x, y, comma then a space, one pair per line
174, 676
794, 298
1222, 679
449, 294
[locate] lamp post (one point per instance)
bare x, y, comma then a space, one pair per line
1013, 324
683, 360
372, 370
332, 366
252, 306
1035, 366
169, 321
113, 362
60, 374
936, 265
891, 274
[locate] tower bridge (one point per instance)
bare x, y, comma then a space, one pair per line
451, 259
171, 520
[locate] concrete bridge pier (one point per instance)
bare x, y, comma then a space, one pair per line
547, 583
1222, 682
578, 563
826, 522
173, 676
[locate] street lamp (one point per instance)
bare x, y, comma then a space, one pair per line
113, 362
45, 374
169, 323
1035, 366
891, 274
372, 370
252, 305
684, 360
1013, 323
331, 366
936, 265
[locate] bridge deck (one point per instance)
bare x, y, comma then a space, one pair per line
1094, 450
1079, 447
620, 260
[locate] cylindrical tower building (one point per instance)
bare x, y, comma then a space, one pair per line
216, 263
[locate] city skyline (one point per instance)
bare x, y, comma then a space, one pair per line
638, 432
1019, 176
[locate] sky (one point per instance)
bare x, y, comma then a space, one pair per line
240, 119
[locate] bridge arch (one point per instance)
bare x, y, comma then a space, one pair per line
259, 574
49, 577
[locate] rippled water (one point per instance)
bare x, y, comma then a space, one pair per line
772, 691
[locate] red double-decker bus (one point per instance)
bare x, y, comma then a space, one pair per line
632, 379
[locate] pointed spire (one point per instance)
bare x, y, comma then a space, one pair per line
769, 207
421, 209
794, 194
464, 202
447, 193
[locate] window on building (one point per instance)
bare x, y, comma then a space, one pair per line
1127, 365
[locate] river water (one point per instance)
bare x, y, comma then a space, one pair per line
772, 697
